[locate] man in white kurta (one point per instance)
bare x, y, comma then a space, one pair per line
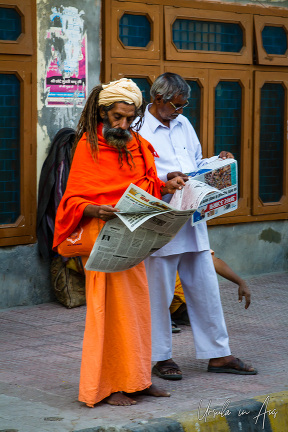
179, 150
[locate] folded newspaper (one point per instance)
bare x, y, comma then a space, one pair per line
144, 223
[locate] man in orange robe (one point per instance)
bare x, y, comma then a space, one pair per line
116, 357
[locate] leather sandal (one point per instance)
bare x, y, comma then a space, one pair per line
235, 366
166, 370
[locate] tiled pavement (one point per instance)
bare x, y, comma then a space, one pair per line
41, 352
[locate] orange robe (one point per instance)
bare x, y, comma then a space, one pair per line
116, 352
103, 181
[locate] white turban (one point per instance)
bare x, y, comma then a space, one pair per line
122, 90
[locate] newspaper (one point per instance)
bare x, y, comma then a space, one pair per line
143, 225
221, 174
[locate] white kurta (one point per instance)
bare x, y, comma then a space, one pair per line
189, 252
179, 150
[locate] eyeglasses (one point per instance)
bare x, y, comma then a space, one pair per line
180, 107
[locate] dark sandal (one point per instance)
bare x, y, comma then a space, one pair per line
175, 329
162, 371
235, 366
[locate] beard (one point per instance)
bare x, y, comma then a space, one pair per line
116, 137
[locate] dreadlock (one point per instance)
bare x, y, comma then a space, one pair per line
135, 131
88, 121
139, 122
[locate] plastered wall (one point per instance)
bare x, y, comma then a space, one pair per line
68, 59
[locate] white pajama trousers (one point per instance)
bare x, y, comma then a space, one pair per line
201, 290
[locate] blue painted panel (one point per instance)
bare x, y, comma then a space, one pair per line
134, 30
274, 40
228, 119
272, 108
10, 24
207, 36
193, 110
144, 86
9, 148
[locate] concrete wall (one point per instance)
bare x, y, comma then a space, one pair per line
24, 277
252, 248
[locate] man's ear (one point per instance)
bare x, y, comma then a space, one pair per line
101, 112
158, 99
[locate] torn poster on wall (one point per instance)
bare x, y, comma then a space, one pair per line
66, 75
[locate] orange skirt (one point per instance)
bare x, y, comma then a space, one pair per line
117, 339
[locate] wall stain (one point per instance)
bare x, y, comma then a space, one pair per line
270, 235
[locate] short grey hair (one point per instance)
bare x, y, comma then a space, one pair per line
169, 85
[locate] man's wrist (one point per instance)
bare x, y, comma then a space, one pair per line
91, 210
163, 190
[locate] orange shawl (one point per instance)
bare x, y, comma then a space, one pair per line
102, 180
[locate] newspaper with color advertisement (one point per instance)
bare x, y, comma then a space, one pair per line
221, 174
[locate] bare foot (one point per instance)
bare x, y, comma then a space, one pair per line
153, 391
119, 399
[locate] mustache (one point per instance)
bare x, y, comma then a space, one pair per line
116, 136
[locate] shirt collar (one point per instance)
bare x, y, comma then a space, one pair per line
154, 123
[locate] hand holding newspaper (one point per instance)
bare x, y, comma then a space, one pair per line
144, 224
